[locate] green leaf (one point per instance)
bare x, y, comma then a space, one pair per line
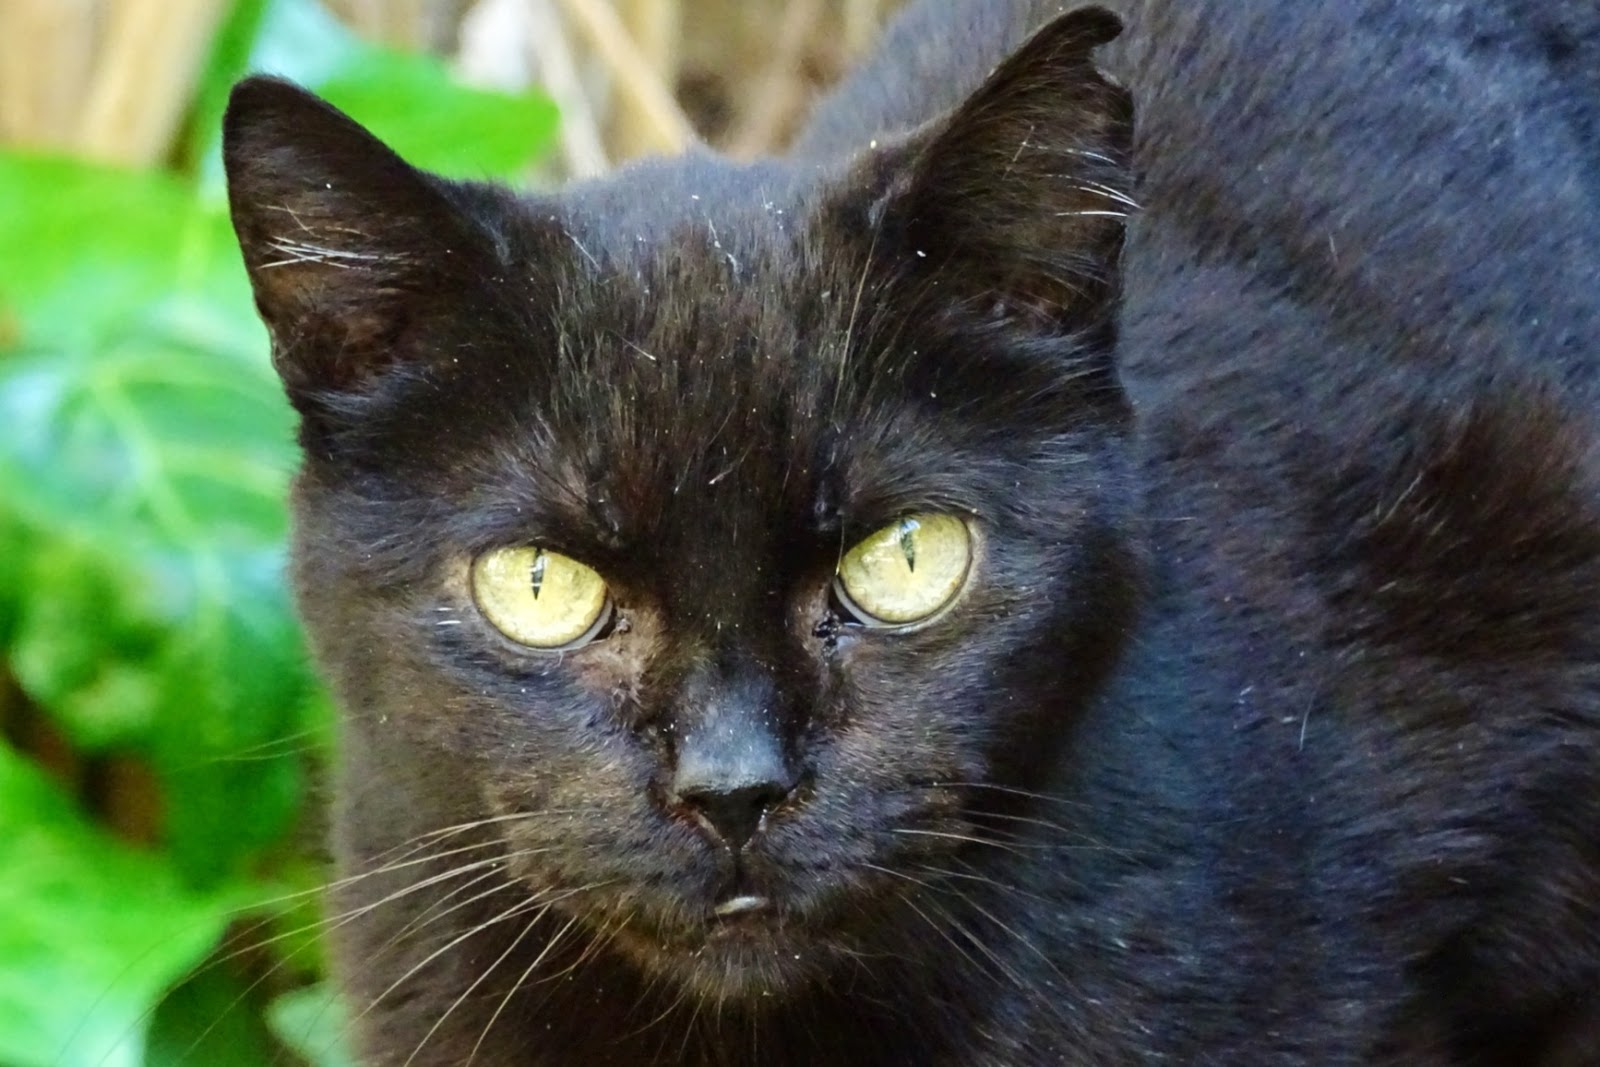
213, 1018
143, 472
84, 248
150, 473
14, 552
91, 931
412, 103
313, 1023
302, 41
226, 62
409, 100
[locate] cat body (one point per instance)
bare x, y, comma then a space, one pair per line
1265, 728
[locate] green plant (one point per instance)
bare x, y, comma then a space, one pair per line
145, 451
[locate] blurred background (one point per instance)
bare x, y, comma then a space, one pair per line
162, 739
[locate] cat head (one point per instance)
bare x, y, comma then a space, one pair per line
741, 538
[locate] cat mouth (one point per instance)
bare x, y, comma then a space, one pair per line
745, 918
744, 949
742, 908
747, 937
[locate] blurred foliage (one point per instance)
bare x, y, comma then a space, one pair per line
145, 451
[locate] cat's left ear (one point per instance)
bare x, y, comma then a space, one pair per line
1011, 210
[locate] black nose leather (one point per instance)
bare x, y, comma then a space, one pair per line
733, 813
729, 773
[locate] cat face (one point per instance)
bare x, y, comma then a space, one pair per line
736, 538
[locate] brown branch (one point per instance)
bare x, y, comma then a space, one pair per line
662, 122
152, 54
655, 27
46, 55
782, 90
862, 20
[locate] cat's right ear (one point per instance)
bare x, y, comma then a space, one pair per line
346, 244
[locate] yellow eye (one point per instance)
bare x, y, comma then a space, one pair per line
906, 571
539, 598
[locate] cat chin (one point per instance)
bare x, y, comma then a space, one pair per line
751, 959
745, 962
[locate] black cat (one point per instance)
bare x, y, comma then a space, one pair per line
851, 610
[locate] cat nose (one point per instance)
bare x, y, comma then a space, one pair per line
729, 777
733, 814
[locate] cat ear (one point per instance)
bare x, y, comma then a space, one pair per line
346, 244
1012, 209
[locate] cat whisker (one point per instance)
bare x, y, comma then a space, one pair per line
665, 1014
597, 944
939, 928
324, 888
522, 979
637, 349
496, 867
1010, 791
933, 890
855, 312
420, 841
431, 916
334, 921
522, 907
952, 836
277, 748
304, 252
1091, 214
527, 928
1015, 842
983, 947
972, 904
897, 874
329, 923
1084, 153
1082, 840
580, 246
997, 921
1098, 189
1027, 820
408, 849
984, 880
410, 859
689, 1028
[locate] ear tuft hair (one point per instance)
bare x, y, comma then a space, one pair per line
342, 238
1016, 204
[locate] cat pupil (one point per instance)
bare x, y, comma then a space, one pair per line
536, 574
908, 542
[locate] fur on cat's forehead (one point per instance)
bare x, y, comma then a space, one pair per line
688, 249
655, 199
681, 301
708, 279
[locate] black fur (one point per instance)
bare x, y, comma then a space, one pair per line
1268, 730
